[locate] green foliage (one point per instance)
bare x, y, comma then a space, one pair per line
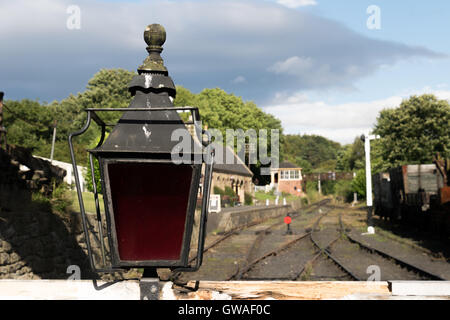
229, 192
328, 187
248, 199
351, 157
89, 184
218, 190
311, 152
41, 202
343, 190
220, 111
227, 196
312, 192
415, 131
358, 184
304, 164
30, 123
61, 199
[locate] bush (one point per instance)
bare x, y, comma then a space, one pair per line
343, 190
219, 191
227, 197
311, 191
328, 187
359, 184
230, 192
248, 199
89, 184
61, 199
41, 202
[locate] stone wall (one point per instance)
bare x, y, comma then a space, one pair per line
244, 184
35, 242
231, 218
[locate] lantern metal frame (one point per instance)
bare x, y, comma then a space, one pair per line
180, 265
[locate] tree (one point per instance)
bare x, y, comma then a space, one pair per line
220, 110
30, 123
414, 132
351, 157
358, 184
319, 152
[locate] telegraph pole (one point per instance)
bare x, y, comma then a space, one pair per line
53, 141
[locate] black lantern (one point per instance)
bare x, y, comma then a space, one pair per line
150, 199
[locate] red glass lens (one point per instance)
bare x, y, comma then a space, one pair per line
150, 203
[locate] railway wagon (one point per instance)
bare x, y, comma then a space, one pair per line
410, 193
382, 200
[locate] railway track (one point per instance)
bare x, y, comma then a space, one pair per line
260, 234
307, 236
310, 253
237, 230
424, 274
391, 264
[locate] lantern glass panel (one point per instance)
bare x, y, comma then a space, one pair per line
149, 202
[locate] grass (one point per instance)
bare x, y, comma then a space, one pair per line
89, 203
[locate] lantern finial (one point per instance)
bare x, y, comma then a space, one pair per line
154, 36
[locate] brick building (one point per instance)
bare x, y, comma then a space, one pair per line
287, 178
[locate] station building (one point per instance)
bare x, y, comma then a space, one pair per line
235, 175
287, 178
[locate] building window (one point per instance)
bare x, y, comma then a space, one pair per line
290, 175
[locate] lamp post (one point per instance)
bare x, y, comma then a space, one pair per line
366, 138
149, 199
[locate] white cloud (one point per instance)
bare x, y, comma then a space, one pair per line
208, 43
239, 79
296, 66
338, 122
297, 3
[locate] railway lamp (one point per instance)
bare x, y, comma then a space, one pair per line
149, 199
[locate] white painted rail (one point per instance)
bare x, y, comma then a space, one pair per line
227, 290
68, 290
420, 288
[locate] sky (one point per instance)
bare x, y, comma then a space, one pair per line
324, 67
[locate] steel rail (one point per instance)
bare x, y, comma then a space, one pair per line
334, 259
399, 261
235, 231
239, 273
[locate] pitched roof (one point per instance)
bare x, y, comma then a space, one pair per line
223, 157
287, 165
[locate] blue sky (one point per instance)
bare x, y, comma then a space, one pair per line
314, 64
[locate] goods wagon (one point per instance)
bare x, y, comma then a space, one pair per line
412, 194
